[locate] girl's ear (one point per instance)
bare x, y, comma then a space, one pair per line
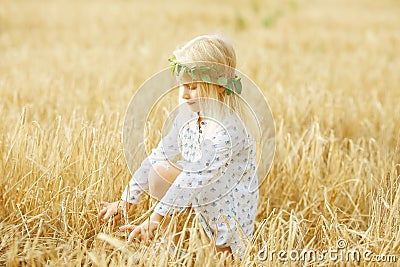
220, 89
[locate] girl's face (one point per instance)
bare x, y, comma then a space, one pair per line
189, 93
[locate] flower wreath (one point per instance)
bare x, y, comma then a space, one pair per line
230, 85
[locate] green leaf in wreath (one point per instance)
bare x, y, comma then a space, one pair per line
204, 68
172, 64
238, 85
222, 81
193, 75
229, 87
206, 78
180, 69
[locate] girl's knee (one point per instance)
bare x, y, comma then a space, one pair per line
165, 171
161, 176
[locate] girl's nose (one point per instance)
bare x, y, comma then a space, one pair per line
185, 94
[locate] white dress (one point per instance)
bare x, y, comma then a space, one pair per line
218, 178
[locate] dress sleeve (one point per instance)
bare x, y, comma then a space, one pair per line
167, 149
199, 177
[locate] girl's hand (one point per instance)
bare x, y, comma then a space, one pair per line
145, 230
112, 210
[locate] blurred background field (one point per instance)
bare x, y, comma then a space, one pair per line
330, 71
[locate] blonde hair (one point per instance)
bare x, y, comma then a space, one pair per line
209, 49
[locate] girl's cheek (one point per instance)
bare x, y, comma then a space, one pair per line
198, 94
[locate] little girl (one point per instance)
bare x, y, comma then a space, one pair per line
217, 155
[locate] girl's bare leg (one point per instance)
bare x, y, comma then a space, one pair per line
161, 176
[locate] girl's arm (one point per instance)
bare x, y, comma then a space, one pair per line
167, 149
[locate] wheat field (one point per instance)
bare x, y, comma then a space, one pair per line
330, 70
